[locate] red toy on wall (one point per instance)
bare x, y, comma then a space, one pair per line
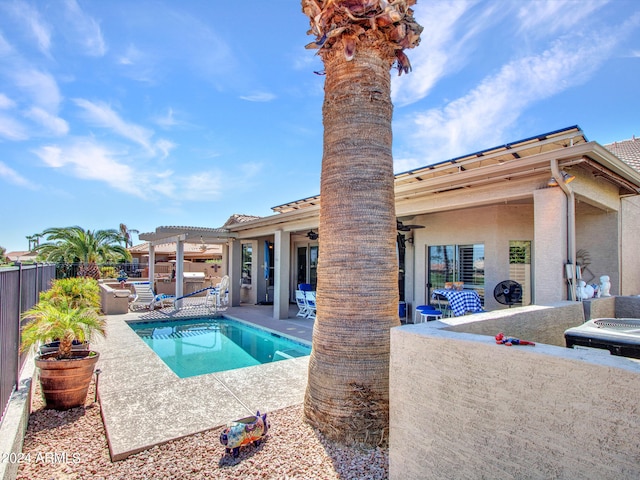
508, 341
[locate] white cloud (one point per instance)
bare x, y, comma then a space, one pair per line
168, 120
446, 42
131, 56
138, 65
11, 176
203, 186
546, 17
102, 115
5, 47
483, 115
41, 87
165, 147
35, 25
11, 129
88, 160
54, 124
258, 97
88, 31
5, 102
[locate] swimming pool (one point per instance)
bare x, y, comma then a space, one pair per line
206, 345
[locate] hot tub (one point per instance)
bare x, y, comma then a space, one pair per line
621, 336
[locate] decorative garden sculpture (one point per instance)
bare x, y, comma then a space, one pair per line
243, 432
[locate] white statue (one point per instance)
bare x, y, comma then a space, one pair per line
605, 285
584, 291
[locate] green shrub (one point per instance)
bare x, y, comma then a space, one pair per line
108, 272
77, 291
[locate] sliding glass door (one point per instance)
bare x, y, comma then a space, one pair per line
456, 263
307, 266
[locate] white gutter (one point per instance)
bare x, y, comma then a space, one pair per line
571, 228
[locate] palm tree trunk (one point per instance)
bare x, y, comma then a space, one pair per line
347, 396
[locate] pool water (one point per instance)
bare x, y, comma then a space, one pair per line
200, 346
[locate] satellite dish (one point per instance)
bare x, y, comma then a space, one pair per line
508, 292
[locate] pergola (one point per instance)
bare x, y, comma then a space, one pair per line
180, 236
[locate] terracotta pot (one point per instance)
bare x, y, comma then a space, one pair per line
53, 347
65, 383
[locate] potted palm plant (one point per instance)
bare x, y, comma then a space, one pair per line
64, 315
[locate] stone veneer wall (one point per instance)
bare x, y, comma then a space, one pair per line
463, 407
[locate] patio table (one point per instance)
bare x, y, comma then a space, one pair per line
460, 301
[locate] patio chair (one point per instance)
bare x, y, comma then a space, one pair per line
302, 305
443, 305
310, 303
145, 298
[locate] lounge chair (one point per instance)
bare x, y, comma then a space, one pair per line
146, 299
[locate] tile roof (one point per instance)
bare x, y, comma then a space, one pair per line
628, 151
238, 218
21, 255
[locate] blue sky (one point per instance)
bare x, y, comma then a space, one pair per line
155, 113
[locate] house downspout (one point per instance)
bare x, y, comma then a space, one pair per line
571, 228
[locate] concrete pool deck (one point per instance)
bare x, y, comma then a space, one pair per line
144, 403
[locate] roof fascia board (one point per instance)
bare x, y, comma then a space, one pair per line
610, 161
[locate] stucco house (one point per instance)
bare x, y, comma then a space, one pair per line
544, 211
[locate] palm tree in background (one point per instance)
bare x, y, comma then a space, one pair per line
34, 241
126, 235
88, 247
347, 396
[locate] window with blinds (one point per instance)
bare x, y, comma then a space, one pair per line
456, 263
520, 267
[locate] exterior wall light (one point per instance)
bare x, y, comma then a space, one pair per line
566, 178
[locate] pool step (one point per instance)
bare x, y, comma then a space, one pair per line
181, 334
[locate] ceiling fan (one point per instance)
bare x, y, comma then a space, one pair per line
312, 235
406, 228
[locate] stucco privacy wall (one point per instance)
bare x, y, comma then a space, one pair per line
536, 323
616, 307
463, 407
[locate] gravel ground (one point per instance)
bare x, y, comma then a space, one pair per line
73, 445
